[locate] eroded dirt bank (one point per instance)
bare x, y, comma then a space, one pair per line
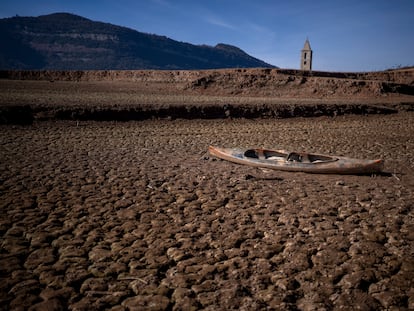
248, 93
26, 114
133, 216
401, 76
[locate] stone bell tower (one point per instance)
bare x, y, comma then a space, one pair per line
306, 57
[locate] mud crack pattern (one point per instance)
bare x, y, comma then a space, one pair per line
135, 216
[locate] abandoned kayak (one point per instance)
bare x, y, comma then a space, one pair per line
297, 162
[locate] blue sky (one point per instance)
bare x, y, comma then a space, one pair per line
345, 35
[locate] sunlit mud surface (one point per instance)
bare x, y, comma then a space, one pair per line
136, 216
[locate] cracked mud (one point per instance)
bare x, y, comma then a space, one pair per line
135, 216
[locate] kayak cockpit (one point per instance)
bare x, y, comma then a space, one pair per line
262, 154
265, 154
309, 158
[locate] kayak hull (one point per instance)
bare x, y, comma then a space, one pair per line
297, 162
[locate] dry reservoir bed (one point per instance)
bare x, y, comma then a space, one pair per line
135, 216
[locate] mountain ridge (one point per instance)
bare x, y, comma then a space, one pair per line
65, 41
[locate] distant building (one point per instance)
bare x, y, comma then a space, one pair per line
306, 57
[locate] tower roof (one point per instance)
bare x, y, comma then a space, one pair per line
307, 45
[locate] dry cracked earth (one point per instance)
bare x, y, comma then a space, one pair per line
136, 216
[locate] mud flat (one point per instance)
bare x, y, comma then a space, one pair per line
135, 216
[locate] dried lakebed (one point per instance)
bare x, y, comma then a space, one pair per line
135, 216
